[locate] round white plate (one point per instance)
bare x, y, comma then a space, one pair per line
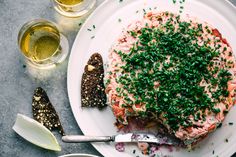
109, 19
78, 155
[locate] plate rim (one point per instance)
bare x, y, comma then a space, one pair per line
80, 154
229, 3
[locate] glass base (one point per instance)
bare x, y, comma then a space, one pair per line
82, 9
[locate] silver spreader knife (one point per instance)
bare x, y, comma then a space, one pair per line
128, 137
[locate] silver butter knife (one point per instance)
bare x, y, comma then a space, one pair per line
128, 137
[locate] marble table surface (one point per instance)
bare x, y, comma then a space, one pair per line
18, 82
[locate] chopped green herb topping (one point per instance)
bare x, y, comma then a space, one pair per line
173, 59
181, 4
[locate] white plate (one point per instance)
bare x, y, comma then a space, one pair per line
78, 155
219, 13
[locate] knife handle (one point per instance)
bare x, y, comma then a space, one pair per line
81, 138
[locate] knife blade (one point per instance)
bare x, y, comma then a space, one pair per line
127, 137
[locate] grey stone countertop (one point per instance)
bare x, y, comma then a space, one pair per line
17, 82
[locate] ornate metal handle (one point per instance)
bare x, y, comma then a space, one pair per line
81, 138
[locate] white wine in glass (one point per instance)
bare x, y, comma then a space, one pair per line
42, 44
73, 8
